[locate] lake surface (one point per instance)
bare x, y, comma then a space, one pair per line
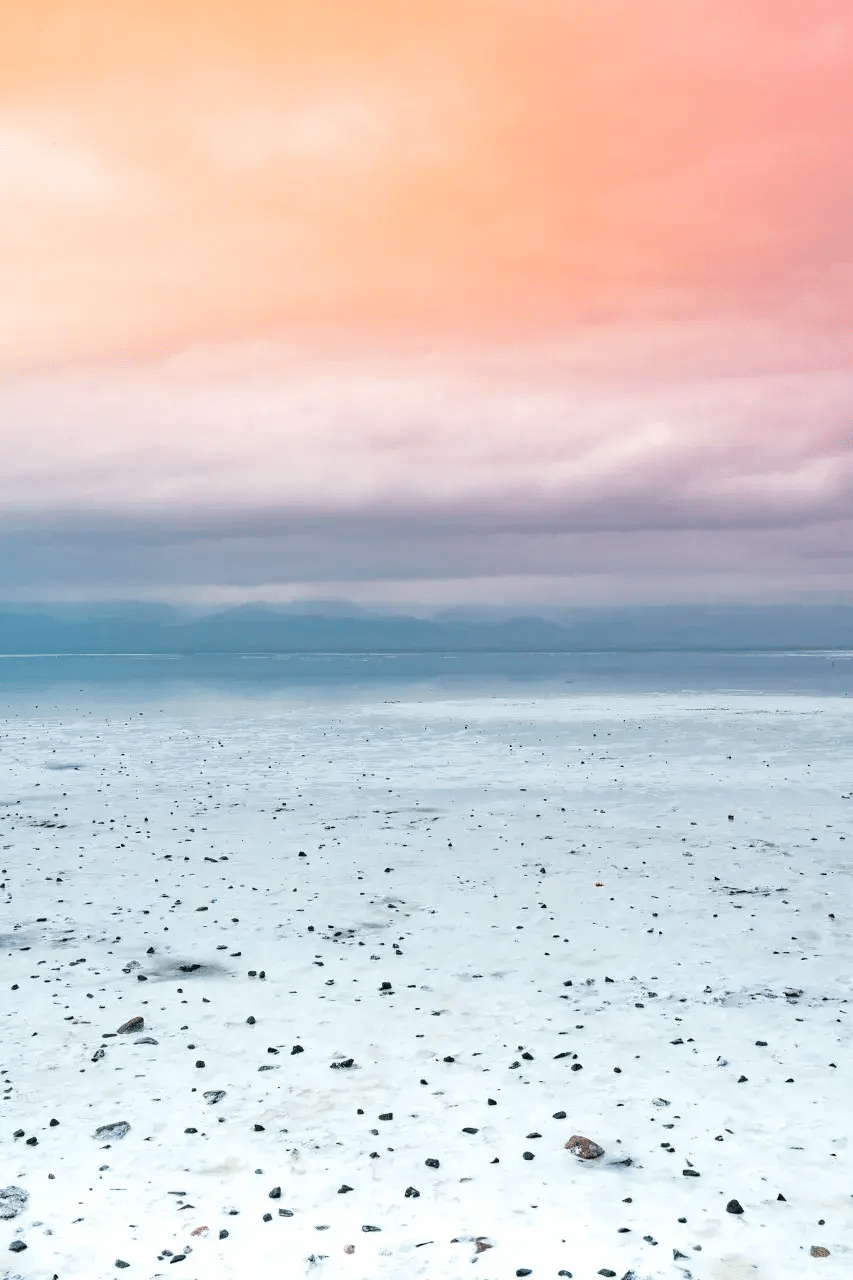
25, 681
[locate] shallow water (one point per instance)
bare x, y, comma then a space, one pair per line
59, 679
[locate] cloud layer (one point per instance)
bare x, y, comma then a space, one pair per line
369, 293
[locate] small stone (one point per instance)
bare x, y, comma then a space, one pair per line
250, 1020
112, 1132
13, 1200
259, 1128
818, 1251
371, 1228
584, 1148
387, 1115
17, 1246
212, 1096
524, 1271
200, 1062
132, 1024
223, 1234
527, 1155
605, 1271
431, 1163
343, 1189
297, 1048
412, 1193
121, 1264
734, 1206
577, 1066
468, 1129
692, 1173
275, 1194
147, 1040
267, 1217
559, 1115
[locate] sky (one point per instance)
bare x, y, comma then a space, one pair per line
468, 301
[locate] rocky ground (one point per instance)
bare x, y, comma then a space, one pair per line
398, 989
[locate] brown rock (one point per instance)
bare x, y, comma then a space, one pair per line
133, 1024
818, 1251
584, 1148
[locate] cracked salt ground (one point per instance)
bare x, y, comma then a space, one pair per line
398, 990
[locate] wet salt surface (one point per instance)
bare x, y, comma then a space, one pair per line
390, 959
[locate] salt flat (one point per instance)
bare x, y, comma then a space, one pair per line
391, 957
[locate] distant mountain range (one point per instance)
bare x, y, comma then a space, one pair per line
132, 628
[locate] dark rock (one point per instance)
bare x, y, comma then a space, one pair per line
275, 1194
577, 1066
212, 1096
223, 1234
371, 1228
524, 1271
527, 1155
147, 1040
199, 1063
121, 1264
297, 1048
132, 1024
431, 1163
469, 1129
13, 1200
605, 1271
17, 1246
412, 1193
559, 1115
190, 1130
534, 1135
780, 1196
19, 1133
449, 1059
528, 1057
259, 1128
112, 1132
343, 1189
734, 1206
387, 1115
692, 1173
345, 1065
250, 1020
285, 1213
267, 1217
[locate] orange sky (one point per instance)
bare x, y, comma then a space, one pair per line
623, 203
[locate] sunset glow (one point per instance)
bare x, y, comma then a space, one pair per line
531, 291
